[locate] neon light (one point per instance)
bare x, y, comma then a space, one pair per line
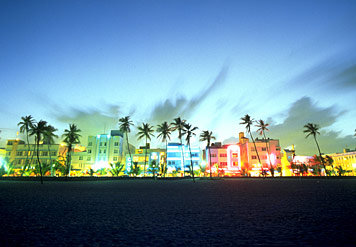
233, 149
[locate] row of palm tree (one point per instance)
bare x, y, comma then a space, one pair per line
45, 133
145, 131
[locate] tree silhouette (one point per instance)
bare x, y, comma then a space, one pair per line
145, 131
124, 126
247, 121
262, 128
48, 138
178, 125
71, 137
207, 136
188, 132
38, 130
164, 131
312, 130
25, 126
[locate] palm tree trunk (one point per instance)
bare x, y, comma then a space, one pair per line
191, 162
259, 160
181, 149
211, 176
144, 167
26, 161
269, 158
38, 158
321, 158
128, 147
50, 159
166, 160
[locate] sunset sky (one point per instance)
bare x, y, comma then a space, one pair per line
210, 62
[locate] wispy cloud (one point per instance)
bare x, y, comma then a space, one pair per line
183, 107
301, 112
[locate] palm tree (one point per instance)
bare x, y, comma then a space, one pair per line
38, 130
262, 128
145, 131
207, 136
247, 120
124, 126
48, 138
165, 131
178, 125
25, 126
189, 133
312, 130
71, 137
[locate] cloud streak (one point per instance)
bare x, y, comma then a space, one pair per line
183, 107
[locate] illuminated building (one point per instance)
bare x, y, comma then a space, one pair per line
175, 159
16, 151
345, 162
101, 151
241, 158
154, 154
224, 158
268, 150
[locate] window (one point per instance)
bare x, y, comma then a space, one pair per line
105, 144
278, 149
254, 157
263, 149
223, 155
253, 149
234, 155
53, 153
9, 143
19, 153
115, 158
116, 144
90, 144
213, 155
115, 151
99, 151
44, 153
80, 157
89, 151
101, 144
104, 151
223, 164
89, 159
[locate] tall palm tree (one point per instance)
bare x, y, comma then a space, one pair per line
25, 126
38, 130
124, 126
247, 121
262, 128
207, 136
165, 131
145, 131
178, 125
188, 132
71, 137
48, 138
312, 130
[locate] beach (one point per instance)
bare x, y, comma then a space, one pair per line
142, 212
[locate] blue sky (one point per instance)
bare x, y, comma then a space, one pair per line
211, 62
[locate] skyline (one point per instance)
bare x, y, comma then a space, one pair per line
210, 63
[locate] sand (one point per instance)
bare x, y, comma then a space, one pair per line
225, 212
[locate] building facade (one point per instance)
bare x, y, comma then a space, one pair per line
101, 151
180, 158
242, 159
17, 152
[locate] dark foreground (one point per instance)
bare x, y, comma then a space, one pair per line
179, 212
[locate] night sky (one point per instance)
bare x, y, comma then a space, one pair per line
210, 62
